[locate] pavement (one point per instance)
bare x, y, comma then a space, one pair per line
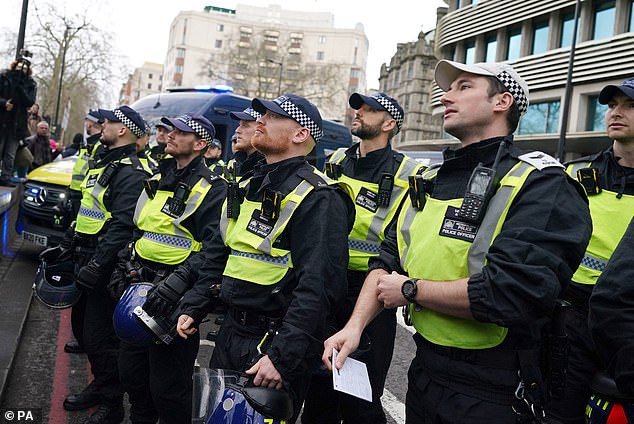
17, 265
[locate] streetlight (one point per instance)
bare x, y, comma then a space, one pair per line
279, 82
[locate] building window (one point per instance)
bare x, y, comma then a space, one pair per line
150, 76
596, 114
180, 52
541, 118
604, 14
631, 28
218, 44
149, 86
220, 27
491, 47
515, 42
469, 51
567, 28
322, 39
410, 70
320, 55
178, 69
540, 37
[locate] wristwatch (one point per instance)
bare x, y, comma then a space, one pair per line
409, 290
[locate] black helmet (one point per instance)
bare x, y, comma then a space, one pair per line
54, 283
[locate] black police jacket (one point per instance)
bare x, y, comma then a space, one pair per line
611, 314
120, 199
317, 237
203, 223
541, 243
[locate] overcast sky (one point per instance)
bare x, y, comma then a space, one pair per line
141, 27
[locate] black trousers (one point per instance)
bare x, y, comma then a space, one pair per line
158, 380
77, 313
442, 390
324, 405
236, 346
8, 147
102, 344
582, 365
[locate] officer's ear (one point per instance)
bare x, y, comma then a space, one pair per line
200, 145
300, 135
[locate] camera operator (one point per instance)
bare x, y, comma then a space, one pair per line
17, 95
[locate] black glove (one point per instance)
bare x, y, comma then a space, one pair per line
89, 275
68, 242
164, 296
118, 282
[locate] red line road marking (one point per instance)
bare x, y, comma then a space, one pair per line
57, 414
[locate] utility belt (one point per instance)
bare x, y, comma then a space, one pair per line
578, 299
149, 271
503, 359
253, 320
86, 241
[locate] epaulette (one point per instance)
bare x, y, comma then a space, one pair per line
540, 160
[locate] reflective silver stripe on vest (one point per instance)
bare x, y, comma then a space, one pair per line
285, 216
338, 156
78, 177
496, 208
593, 262
277, 260
364, 246
406, 169
410, 213
577, 166
168, 240
90, 213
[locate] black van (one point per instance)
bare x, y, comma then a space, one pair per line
215, 105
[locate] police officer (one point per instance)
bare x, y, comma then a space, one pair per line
89, 149
157, 152
176, 216
289, 210
245, 155
379, 178
608, 178
104, 227
480, 254
213, 159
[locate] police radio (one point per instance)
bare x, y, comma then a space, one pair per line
481, 187
386, 184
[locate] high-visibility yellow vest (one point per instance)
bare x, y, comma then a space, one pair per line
611, 214
83, 162
165, 239
372, 220
251, 236
428, 255
93, 214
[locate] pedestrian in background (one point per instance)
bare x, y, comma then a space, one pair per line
17, 95
40, 146
479, 254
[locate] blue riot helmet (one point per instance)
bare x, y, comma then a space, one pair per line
133, 325
54, 283
226, 396
126, 324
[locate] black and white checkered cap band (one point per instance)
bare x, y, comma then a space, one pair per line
391, 109
515, 89
198, 129
128, 123
253, 112
304, 120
